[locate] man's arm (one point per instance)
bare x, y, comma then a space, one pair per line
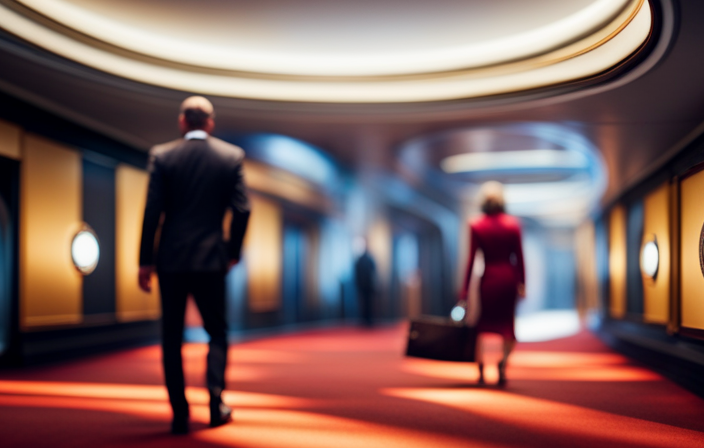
152, 215
239, 204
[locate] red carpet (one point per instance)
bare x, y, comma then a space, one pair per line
352, 388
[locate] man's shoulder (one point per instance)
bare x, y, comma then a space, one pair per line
163, 148
225, 149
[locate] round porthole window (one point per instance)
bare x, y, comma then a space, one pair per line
85, 250
650, 258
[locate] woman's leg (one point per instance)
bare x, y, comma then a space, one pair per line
480, 360
509, 345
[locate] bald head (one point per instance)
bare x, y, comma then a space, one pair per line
196, 113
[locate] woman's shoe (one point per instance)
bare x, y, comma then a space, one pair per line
502, 373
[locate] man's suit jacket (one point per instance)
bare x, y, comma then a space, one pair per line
192, 183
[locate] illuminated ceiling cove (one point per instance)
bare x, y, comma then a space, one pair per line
551, 173
335, 51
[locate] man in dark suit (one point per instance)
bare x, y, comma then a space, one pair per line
193, 181
365, 280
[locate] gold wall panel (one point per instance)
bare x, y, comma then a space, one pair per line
691, 277
587, 278
617, 263
10, 138
263, 249
656, 223
131, 194
51, 288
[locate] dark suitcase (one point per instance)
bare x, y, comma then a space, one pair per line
442, 339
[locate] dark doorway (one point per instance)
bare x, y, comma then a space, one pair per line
294, 264
99, 213
421, 275
9, 178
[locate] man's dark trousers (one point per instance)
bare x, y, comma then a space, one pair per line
208, 291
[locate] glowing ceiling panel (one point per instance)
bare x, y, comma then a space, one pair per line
375, 52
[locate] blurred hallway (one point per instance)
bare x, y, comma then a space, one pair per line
345, 387
377, 122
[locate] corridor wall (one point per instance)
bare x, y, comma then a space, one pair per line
656, 228
132, 304
692, 253
617, 262
67, 179
663, 322
50, 215
71, 178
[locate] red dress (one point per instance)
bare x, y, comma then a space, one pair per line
499, 238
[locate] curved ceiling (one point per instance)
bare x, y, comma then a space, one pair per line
637, 117
336, 51
552, 173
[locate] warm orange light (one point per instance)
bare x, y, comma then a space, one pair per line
565, 359
691, 279
195, 395
50, 214
540, 366
285, 428
262, 356
590, 426
154, 410
656, 225
263, 427
617, 262
61, 389
130, 197
342, 395
262, 252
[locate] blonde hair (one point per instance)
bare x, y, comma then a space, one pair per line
491, 198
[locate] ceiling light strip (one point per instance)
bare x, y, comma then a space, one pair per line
431, 89
522, 46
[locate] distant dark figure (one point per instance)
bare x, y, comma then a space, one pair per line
498, 236
192, 182
365, 279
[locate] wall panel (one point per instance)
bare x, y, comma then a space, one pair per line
10, 136
617, 263
587, 279
691, 276
656, 225
634, 277
50, 215
263, 249
131, 303
99, 214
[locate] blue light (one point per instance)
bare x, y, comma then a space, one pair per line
458, 313
291, 155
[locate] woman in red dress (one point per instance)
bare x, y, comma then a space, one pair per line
498, 236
